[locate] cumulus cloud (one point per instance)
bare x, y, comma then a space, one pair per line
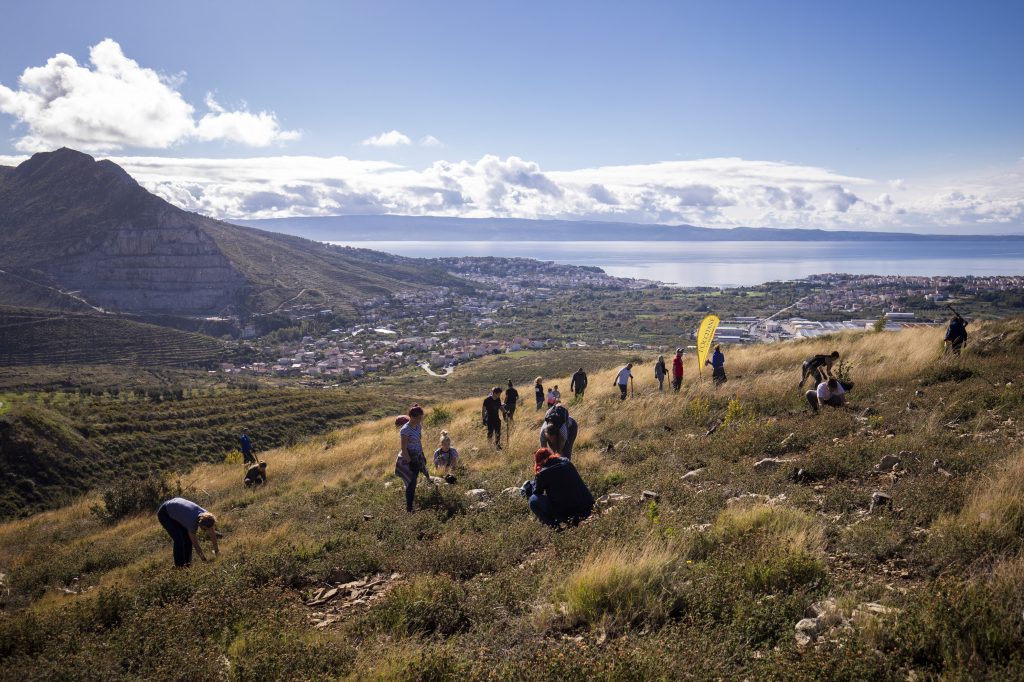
723, 192
391, 138
113, 103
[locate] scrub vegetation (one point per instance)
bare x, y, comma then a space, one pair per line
707, 579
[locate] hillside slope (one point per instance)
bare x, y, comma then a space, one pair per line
69, 223
709, 580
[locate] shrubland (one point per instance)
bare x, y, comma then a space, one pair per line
706, 579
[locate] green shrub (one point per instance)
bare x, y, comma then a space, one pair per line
431, 604
134, 496
438, 416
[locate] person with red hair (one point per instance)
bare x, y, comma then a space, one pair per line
557, 494
411, 462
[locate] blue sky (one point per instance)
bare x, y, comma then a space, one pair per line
913, 109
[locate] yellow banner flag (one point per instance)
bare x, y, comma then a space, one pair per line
705, 335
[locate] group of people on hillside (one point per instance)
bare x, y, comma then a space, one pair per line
557, 493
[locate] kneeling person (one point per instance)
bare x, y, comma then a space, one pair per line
558, 494
256, 474
829, 392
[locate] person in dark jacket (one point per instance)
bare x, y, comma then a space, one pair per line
557, 494
660, 372
511, 401
818, 367
255, 475
956, 335
182, 519
246, 444
491, 413
717, 363
578, 384
538, 391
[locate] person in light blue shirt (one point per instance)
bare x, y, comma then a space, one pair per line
182, 519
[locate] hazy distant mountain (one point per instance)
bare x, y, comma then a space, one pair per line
431, 228
76, 232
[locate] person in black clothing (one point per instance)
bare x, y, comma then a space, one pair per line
557, 494
538, 391
492, 413
255, 475
579, 383
818, 367
956, 335
511, 400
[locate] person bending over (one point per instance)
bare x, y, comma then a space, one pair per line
818, 367
557, 494
255, 475
182, 519
829, 393
558, 432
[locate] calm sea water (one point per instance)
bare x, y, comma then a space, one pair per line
727, 264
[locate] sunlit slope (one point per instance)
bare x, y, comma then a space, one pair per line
709, 580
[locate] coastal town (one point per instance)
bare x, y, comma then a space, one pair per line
438, 328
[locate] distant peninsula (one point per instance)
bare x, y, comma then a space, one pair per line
348, 228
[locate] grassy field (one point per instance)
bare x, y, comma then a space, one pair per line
708, 580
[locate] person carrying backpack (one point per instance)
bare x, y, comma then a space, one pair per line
677, 370
578, 385
818, 367
492, 413
559, 431
660, 372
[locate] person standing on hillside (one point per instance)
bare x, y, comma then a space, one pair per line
538, 392
660, 372
492, 413
717, 362
818, 367
511, 401
622, 380
246, 444
677, 370
956, 335
578, 385
411, 462
182, 519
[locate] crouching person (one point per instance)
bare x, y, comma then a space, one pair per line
557, 494
256, 475
829, 392
182, 519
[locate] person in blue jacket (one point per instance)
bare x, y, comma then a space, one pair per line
557, 494
182, 519
717, 363
246, 444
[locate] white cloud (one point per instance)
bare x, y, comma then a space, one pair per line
723, 192
114, 103
898, 183
429, 141
391, 138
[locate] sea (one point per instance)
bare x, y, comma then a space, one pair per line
742, 263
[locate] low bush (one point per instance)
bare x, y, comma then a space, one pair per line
430, 604
134, 496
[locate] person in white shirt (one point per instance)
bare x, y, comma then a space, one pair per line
622, 380
829, 392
